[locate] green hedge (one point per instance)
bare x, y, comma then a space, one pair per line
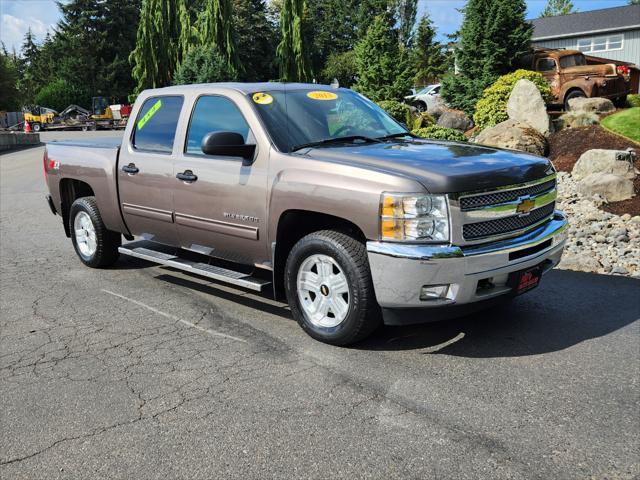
398, 110
440, 133
491, 109
633, 100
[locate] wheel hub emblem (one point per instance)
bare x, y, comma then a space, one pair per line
324, 290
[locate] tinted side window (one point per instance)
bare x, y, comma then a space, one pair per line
546, 64
155, 128
214, 114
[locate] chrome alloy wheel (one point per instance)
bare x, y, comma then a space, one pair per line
85, 234
323, 291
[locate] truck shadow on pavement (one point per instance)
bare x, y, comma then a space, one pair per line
568, 308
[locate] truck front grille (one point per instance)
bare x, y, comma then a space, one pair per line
474, 231
493, 198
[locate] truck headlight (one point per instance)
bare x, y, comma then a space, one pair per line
414, 218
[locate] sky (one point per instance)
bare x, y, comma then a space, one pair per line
42, 15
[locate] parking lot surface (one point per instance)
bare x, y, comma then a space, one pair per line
139, 371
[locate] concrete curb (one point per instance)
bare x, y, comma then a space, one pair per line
13, 140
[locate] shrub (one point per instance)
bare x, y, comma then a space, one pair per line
422, 119
491, 109
399, 111
440, 133
341, 66
203, 65
633, 100
59, 94
578, 119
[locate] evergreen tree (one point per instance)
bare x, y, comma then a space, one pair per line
28, 82
493, 36
428, 58
203, 65
382, 62
255, 37
634, 2
292, 52
9, 95
558, 7
334, 29
217, 29
367, 10
158, 49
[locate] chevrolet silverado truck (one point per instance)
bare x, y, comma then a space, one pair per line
315, 192
570, 75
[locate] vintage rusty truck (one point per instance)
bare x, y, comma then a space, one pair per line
317, 192
571, 74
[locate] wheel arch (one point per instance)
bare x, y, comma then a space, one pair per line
294, 224
70, 190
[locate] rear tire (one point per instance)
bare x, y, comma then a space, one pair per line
329, 288
96, 246
570, 95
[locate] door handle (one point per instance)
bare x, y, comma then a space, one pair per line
131, 169
187, 176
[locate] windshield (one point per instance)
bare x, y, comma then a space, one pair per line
572, 61
304, 116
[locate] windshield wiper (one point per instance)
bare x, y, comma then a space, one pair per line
329, 141
397, 135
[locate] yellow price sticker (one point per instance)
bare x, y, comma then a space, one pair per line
147, 116
262, 98
319, 95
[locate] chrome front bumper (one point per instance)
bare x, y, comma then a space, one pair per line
400, 271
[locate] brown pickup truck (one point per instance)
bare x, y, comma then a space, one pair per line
316, 192
570, 75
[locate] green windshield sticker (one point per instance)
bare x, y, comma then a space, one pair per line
147, 116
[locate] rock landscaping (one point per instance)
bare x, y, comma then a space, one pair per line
599, 241
591, 105
514, 135
526, 105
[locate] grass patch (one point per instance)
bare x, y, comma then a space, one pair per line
626, 123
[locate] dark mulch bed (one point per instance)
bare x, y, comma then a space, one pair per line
566, 146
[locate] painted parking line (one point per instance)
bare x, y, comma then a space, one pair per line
174, 318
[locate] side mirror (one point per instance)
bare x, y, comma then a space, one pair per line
228, 144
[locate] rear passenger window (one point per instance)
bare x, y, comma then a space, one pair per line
155, 128
214, 114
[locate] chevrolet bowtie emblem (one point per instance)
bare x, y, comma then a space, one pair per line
525, 206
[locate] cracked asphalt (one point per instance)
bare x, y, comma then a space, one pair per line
139, 371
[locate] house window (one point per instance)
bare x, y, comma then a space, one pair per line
600, 44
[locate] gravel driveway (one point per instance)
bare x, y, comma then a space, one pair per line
143, 372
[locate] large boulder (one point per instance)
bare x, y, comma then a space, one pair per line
514, 135
527, 105
613, 188
616, 162
594, 105
455, 119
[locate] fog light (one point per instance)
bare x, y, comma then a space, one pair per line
435, 292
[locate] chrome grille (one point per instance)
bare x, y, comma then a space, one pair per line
474, 231
478, 201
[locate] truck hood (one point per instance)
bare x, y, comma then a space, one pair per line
442, 167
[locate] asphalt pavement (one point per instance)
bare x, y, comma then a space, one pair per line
140, 371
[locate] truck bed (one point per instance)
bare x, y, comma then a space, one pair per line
94, 163
106, 142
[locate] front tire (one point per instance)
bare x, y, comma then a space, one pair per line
96, 246
570, 95
329, 288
